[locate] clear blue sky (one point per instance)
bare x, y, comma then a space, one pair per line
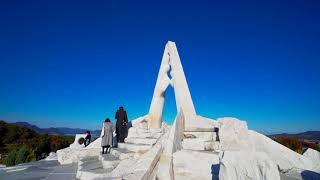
72, 63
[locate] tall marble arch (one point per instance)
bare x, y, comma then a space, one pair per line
171, 73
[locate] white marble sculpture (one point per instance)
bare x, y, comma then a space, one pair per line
171, 67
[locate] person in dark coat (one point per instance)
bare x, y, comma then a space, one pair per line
107, 135
87, 139
121, 126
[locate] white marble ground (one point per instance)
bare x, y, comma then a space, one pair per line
138, 158
240, 154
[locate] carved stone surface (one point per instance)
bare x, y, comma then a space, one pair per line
194, 165
314, 156
244, 165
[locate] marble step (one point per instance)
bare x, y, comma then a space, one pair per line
90, 168
116, 174
198, 144
121, 153
109, 161
146, 166
195, 165
145, 133
141, 130
134, 147
212, 146
208, 136
106, 166
122, 169
144, 141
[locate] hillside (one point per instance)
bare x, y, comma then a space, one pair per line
21, 144
54, 130
309, 135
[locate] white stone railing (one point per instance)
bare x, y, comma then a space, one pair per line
173, 144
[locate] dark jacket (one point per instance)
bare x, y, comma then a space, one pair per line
88, 137
122, 119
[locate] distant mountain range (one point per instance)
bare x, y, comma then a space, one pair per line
310, 135
55, 131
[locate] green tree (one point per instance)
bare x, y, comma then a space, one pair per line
20, 145
10, 160
32, 156
22, 155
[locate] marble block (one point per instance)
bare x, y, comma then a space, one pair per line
242, 165
194, 165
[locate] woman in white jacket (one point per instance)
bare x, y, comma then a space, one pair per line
107, 135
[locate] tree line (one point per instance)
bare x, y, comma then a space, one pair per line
21, 145
295, 144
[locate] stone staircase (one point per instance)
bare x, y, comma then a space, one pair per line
199, 157
201, 141
195, 165
138, 157
116, 163
90, 168
109, 161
